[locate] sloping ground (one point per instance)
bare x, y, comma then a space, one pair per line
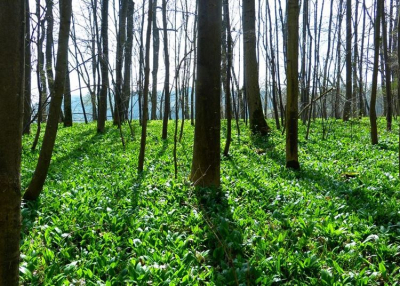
337, 221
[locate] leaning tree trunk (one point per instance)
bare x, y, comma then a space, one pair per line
101, 121
11, 108
292, 77
206, 151
256, 116
372, 112
39, 177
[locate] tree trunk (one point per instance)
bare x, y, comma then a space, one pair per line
126, 89
206, 151
27, 90
101, 122
258, 125
228, 78
388, 73
167, 97
372, 116
67, 101
39, 177
347, 104
156, 51
145, 91
292, 160
12, 52
119, 108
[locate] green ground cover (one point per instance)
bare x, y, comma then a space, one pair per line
97, 222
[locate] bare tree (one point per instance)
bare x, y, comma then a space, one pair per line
206, 151
39, 176
256, 116
146, 90
12, 51
292, 160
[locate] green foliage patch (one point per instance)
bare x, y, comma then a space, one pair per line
97, 222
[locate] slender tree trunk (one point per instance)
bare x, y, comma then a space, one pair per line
372, 116
347, 104
49, 44
194, 69
67, 101
101, 122
126, 89
304, 93
292, 160
167, 104
156, 51
388, 73
256, 116
338, 70
145, 90
119, 108
273, 74
206, 151
12, 53
228, 78
39, 176
75, 55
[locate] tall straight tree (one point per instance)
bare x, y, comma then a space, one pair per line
372, 112
102, 118
126, 89
292, 76
39, 176
11, 107
349, 88
167, 104
256, 116
119, 108
206, 151
388, 73
146, 89
156, 51
27, 91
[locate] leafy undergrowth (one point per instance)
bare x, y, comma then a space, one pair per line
97, 222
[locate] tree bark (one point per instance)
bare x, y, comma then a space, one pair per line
145, 91
349, 89
126, 89
388, 73
206, 151
101, 122
167, 104
156, 51
228, 78
67, 101
119, 108
258, 125
39, 176
292, 77
27, 91
12, 51
372, 116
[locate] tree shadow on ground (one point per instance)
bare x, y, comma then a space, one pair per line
224, 240
355, 192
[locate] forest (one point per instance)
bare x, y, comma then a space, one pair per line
207, 142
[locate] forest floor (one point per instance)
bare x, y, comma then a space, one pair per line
97, 222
